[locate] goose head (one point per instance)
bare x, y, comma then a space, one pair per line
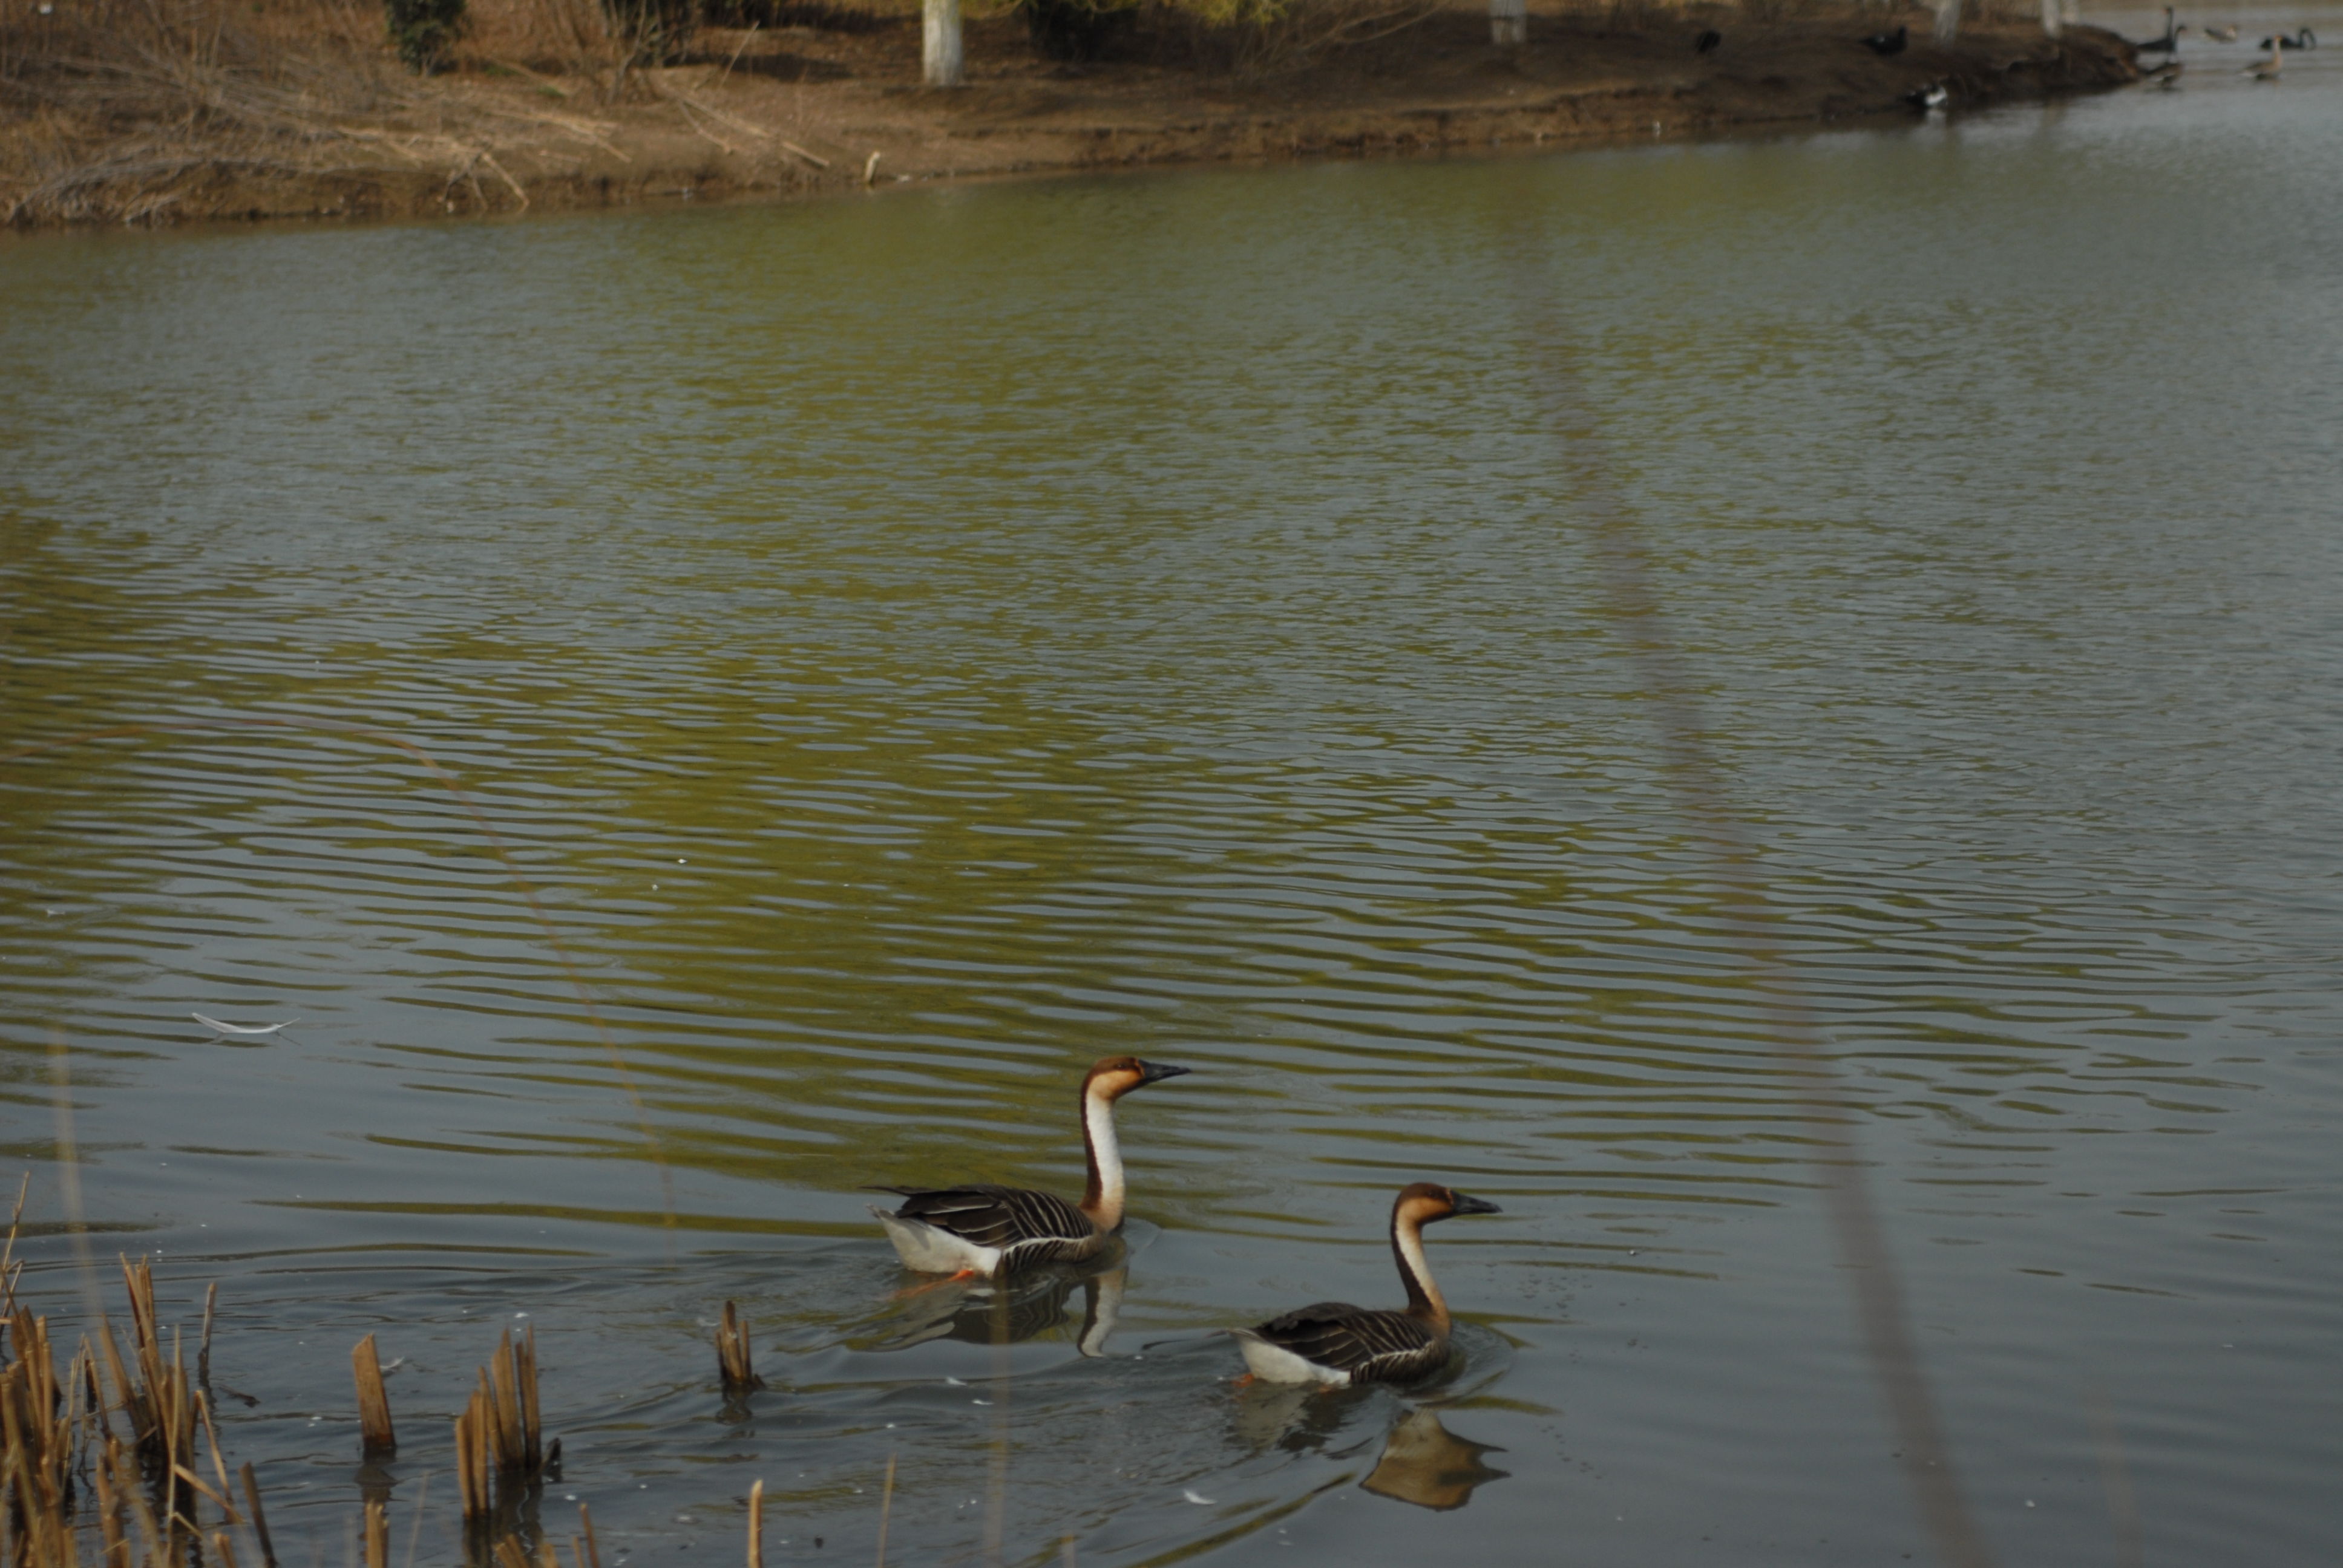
1426, 1201
1112, 1076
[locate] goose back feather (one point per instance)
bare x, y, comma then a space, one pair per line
1016, 1223
1362, 1344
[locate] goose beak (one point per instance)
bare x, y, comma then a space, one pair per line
1156, 1073
1474, 1206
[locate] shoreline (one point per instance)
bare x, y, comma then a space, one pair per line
798, 111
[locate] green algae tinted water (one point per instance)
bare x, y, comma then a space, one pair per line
913, 646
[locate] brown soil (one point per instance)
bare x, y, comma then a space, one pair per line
320, 121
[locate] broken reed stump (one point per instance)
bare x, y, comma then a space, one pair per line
376, 1440
732, 1363
378, 1534
583, 1546
498, 1438
756, 1519
259, 1519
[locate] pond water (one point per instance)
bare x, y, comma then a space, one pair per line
1324, 627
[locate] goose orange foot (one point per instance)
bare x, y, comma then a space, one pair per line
908, 1291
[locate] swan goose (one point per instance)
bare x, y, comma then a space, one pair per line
1339, 1344
982, 1229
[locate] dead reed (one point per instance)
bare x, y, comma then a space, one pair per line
11, 1271
376, 1439
499, 1448
259, 1518
117, 1431
39, 1427
732, 1362
378, 1534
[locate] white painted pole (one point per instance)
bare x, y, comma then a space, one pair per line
1948, 20
940, 43
2051, 19
1508, 22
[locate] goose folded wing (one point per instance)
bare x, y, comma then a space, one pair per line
1347, 1337
991, 1216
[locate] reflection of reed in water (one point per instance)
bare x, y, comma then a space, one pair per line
1425, 1464
1011, 1312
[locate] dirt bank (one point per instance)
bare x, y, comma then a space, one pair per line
300, 111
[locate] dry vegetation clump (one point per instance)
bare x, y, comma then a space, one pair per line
131, 110
106, 106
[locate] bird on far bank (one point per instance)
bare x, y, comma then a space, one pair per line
2167, 44
1707, 41
1338, 1344
2164, 75
2219, 35
2266, 70
1932, 97
2302, 39
1888, 42
982, 1229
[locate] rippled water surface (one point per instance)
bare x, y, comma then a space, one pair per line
1323, 627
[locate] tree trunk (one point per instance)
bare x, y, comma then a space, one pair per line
940, 43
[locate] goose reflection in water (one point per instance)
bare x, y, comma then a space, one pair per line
1421, 1461
1425, 1464
1009, 1311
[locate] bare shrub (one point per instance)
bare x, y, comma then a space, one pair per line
560, 37
1264, 37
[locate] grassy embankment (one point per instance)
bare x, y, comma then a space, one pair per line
146, 111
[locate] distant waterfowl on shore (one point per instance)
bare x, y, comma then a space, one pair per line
2301, 39
1339, 1344
2266, 70
2170, 42
1707, 41
2219, 35
2164, 75
1932, 97
1888, 42
982, 1229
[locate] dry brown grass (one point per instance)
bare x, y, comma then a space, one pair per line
110, 109
104, 102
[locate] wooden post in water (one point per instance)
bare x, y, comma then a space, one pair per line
376, 1438
1948, 20
1508, 22
940, 58
2052, 16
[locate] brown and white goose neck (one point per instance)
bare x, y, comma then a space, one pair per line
1408, 1216
1110, 1081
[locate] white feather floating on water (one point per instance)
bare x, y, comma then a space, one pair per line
1191, 1496
242, 1027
